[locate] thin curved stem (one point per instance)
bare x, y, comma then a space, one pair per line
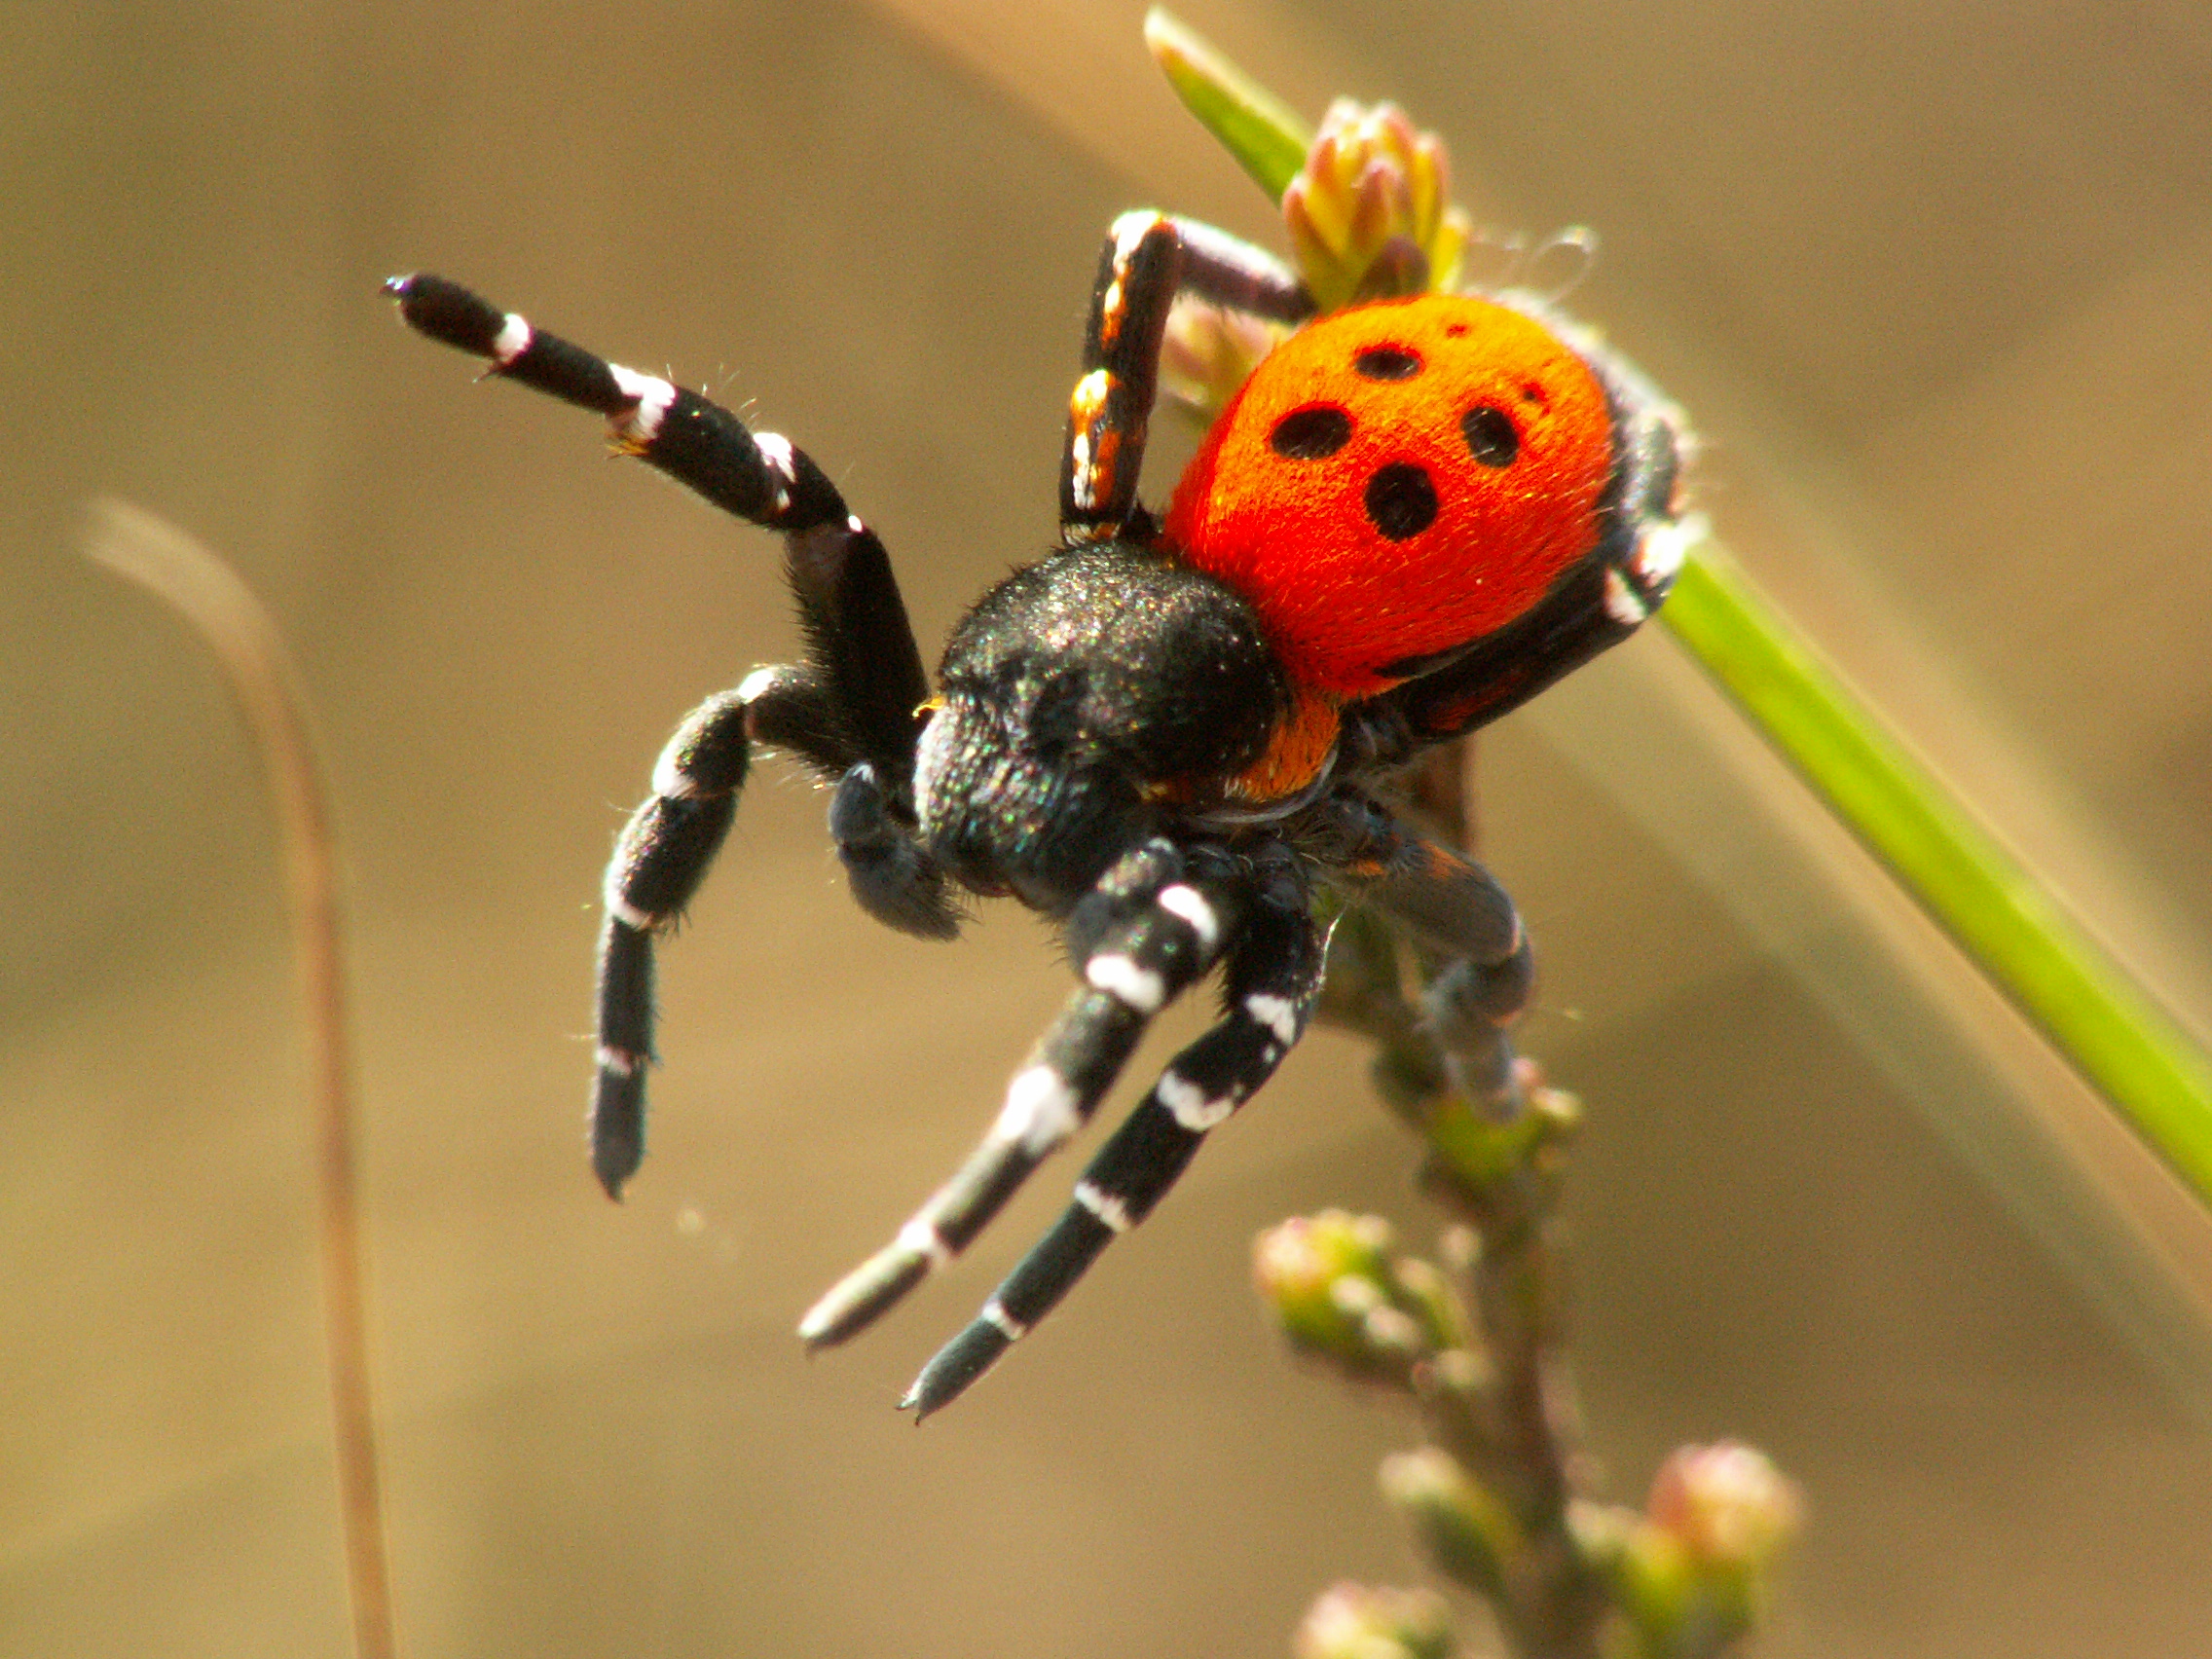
195, 582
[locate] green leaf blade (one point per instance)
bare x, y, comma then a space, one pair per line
1258, 128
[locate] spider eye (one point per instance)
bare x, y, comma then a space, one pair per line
1311, 433
1386, 363
1401, 501
1490, 434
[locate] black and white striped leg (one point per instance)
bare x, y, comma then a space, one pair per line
1153, 926
660, 859
862, 646
1272, 979
1457, 910
1147, 259
856, 703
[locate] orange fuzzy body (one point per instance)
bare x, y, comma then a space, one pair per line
1395, 481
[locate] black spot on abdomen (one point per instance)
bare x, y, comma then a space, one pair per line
1386, 363
1309, 434
1401, 501
1491, 435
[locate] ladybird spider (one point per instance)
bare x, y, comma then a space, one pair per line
1415, 515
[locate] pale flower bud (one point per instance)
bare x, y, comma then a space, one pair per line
1353, 1621
1727, 1504
1370, 215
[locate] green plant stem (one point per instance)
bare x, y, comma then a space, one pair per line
2012, 927
2103, 1021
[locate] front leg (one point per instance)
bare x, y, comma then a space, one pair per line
854, 709
664, 852
1272, 979
1148, 259
861, 646
660, 859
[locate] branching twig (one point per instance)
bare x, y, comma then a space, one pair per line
1479, 1344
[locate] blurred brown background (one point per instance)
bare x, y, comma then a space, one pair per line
1937, 280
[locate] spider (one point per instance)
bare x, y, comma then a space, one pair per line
1163, 734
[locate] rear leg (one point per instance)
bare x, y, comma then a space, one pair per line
1148, 259
1480, 968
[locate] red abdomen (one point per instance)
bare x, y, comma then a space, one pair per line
1397, 481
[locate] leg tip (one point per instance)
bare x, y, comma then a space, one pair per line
614, 1159
447, 311
862, 1296
617, 1121
958, 1365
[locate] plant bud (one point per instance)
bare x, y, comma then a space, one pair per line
1355, 1621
